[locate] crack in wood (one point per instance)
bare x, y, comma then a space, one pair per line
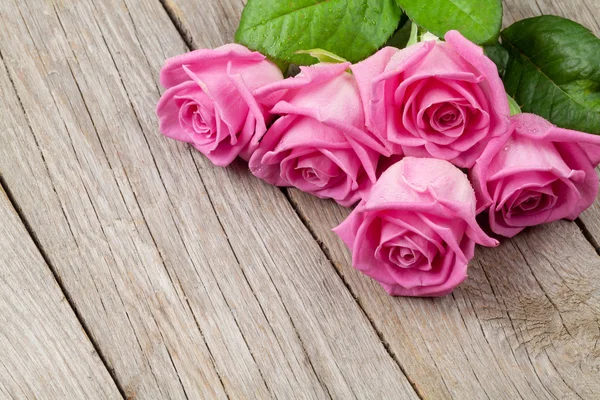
588, 235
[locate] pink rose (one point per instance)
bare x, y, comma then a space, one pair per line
416, 231
209, 100
539, 174
319, 144
434, 99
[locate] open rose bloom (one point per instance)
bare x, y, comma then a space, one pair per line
319, 144
434, 99
416, 231
209, 100
539, 174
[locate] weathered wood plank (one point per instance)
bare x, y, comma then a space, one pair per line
89, 226
514, 330
44, 351
586, 12
184, 273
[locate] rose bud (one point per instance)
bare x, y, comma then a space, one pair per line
209, 101
319, 144
434, 99
539, 174
416, 231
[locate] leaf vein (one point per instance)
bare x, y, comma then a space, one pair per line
586, 108
286, 14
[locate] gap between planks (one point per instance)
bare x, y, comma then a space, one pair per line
31, 233
588, 235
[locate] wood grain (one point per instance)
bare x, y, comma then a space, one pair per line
89, 225
44, 351
525, 325
186, 275
201, 282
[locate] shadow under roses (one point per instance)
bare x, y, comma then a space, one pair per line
530, 302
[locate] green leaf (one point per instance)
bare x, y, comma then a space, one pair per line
554, 71
478, 20
352, 29
499, 55
323, 56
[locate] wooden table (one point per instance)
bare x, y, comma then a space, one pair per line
131, 267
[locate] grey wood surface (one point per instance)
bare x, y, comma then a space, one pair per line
201, 282
44, 352
193, 280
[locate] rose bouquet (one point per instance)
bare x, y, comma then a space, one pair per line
362, 102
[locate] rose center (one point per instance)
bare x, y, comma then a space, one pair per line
404, 257
531, 203
315, 169
446, 117
313, 176
190, 116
